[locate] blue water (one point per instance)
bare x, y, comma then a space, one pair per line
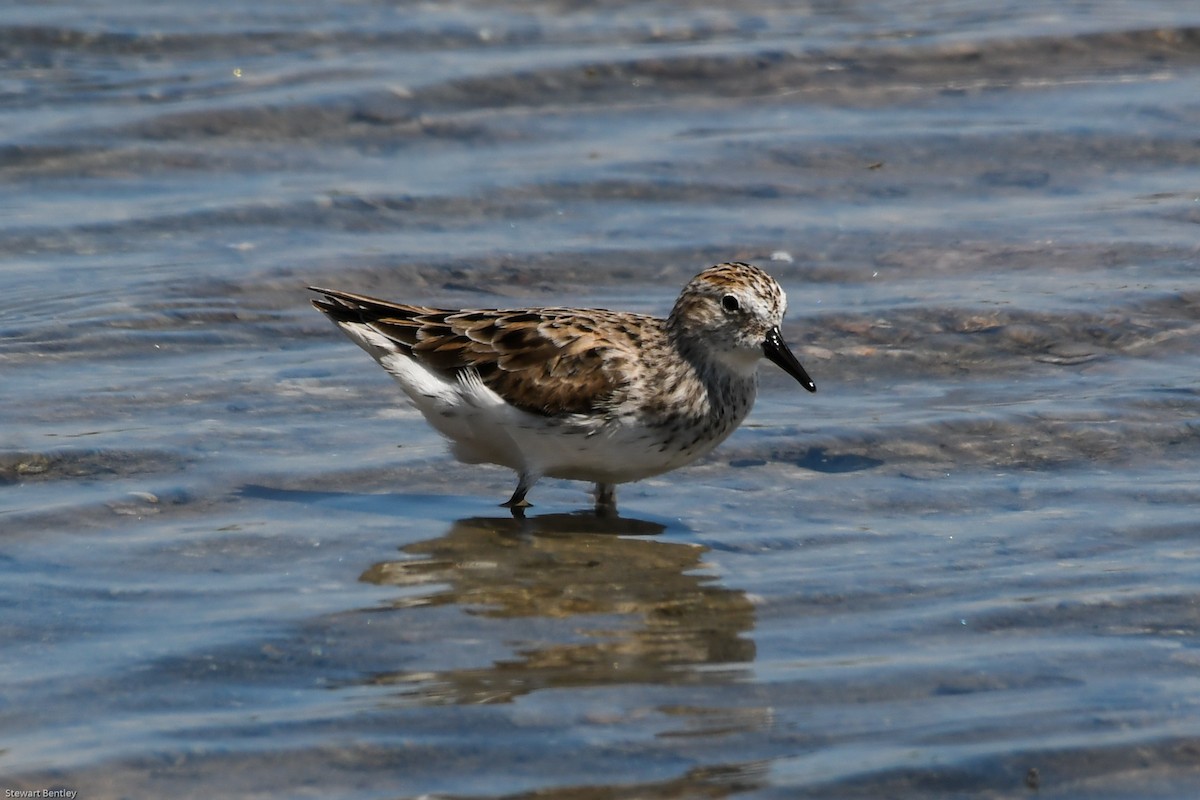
235, 563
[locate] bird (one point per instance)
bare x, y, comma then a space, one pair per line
583, 394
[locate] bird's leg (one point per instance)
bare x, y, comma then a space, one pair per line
524, 484
606, 499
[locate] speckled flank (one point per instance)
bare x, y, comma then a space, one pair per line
585, 394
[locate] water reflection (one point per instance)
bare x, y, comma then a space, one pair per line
641, 609
712, 782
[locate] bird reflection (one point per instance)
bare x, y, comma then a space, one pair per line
641, 610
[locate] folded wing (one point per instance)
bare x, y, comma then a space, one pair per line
545, 361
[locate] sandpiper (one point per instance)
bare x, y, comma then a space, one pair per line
583, 394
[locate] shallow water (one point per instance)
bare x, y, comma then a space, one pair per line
236, 564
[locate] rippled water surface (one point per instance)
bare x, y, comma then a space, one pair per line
234, 563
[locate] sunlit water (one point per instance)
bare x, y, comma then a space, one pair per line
236, 564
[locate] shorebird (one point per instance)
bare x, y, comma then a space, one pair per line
584, 394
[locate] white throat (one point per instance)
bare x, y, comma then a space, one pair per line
743, 363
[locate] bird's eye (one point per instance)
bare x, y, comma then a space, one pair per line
730, 303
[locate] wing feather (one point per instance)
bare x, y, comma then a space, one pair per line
549, 361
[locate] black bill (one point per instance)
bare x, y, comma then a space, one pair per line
776, 349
